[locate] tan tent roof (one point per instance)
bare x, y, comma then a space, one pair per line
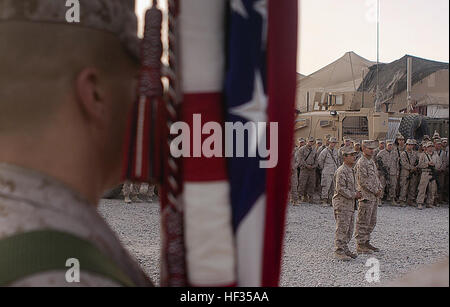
339, 75
343, 75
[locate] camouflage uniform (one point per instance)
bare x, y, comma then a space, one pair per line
319, 149
408, 187
294, 176
398, 149
32, 201
307, 157
344, 206
390, 162
445, 161
427, 188
341, 151
444, 164
328, 162
369, 185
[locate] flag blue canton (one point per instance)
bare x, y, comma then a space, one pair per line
246, 98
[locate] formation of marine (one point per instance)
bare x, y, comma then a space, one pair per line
410, 173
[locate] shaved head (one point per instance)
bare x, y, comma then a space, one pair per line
39, 64
68, 88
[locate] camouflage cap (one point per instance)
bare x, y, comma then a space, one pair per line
114, 16
382, 141
301, 140
411, 142
370, 144
436, 135
399, 136
319, 141
348, 151
311, 139
444, 140
438, 141
333, 140
426, 137
390, 142
428, 144
346, 138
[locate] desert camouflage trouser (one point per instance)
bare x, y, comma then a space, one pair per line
132, 190
294, 185
327, 184
408, 188
365, 221
390, 187
344, 218
426, 188
307, 180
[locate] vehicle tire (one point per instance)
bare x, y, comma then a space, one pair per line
413, 127
114, 193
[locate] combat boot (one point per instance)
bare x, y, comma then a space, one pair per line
127, 199
363, 249
370, 246
420, 206
342, 255
350, 254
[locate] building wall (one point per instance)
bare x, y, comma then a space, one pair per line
435, 85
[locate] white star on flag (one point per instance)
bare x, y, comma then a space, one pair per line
261, 7
238, 7
255, 109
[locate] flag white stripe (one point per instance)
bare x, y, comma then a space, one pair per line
202, 36
208, 234
250, 244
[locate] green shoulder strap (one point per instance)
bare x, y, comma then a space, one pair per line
40, 251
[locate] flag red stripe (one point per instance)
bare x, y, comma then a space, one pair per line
282, 55
209, 105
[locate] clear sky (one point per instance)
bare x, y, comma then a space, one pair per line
329, 28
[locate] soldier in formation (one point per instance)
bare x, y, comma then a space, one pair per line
429, 162
371, 191
308, 165
328, 163
387, 161
344, 203
409, 174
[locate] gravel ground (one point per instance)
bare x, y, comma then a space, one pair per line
408, 238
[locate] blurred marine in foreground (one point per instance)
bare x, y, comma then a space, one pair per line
64, 90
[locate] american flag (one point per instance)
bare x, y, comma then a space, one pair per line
260, 88
246, 68
237, 64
